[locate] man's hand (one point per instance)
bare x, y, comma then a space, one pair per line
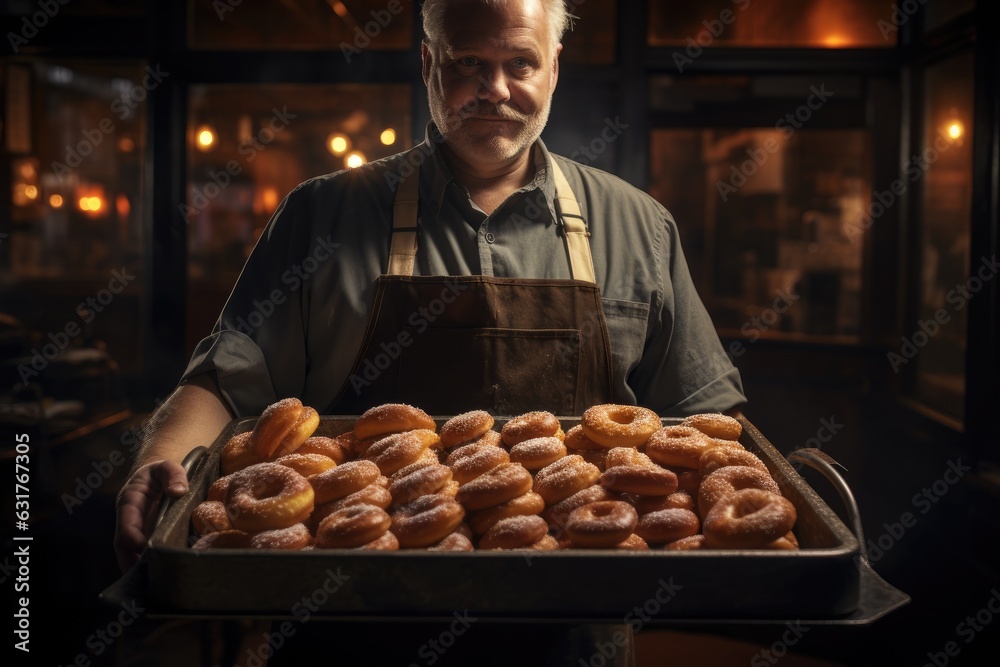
138, 505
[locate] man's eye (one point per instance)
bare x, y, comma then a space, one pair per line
520, 63
468, 61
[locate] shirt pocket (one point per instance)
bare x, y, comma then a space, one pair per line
627, 321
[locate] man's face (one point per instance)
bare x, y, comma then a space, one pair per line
490, 80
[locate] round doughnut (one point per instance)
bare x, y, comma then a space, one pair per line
391, 418
640, 479
594, 457
219, 489
536, 453
224, 539
602, 524
724, 456
611, 425
627, 456
210, 517
339, 449
688, 480
715, 425
748, 518
646, 504
469, 462
724, 481
387, 542
292, 538
503, 483
426, 521
306, 465
465, 427
282, 427
453, 542
691, 543
267, 496
680, 500
633, 543
450, 489
345, 479
238, 454
677, 446
667, 525
373, 494
560, 480
576, 440
482, 520
491, 438
557, 514
400, 449
547, 543
538, 424
420, 482
514, 532
781, 544
352, 527
716, 442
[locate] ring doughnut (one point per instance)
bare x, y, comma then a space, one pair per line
373, 494
387, 542
306, 464
691, 543
547, 543
688, 480
538, 424
292, 538
557, 514
640, 479
505, 482
725, 456
633, 543
677, 446
469, 462
224, 539
453, 542
400, 449
420, 482
536, 453
238, 454
345, 479
602, 524
724, 481
514, 532
667, 525
576, 440
282, 427
568, 475
611, 425
426, 521
594, 457
465, 427
482, 520
352, 527
391, 418
715, 425
748, 518
627, 456
219, 489
339, 449
210, 517
267, 496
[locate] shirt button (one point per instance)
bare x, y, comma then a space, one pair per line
490, 238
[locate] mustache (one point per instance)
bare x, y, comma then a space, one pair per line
489, 110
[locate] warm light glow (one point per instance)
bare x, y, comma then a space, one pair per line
339, 8
126, 145
835, 40
956, 129
388, 136
338, 144
355, 159
31, 192
269, 198
26, 169
90, 204
55, 201
123, 206
205, 138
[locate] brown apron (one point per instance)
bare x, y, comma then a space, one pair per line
505, 345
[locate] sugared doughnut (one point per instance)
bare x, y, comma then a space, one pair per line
646, 504
482, 520
577, 440
715, 425
267, 496
560, 480
557, 514
465, 427
594, 457
633, 543
469, 462
387, 542
748, 518
538, 424
219, 489
723, 456
420, 482
400, 449
453, 542
514, 532
282, 427
426, 521
602, 524
339, 449
391, 418
547, 543
626, 456
781, 544
224, 539
292, 538
503, 483
238, 454
667, 525
352, 527
373, 494
691, 543
611, 425
536, 453
677, 446
724, 481
210, 517
345, 479
306, 465
640, 479
688, 480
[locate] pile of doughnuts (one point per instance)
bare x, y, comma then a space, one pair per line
617, 480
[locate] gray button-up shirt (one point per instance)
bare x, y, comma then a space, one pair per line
294, 323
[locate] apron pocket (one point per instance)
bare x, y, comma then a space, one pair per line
504, 371
627, 321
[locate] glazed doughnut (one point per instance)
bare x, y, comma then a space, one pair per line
576, 440
633, 543
724, 481
677, 446
400, 449
391, 418
465, 427
352, 527
453, 542
514, 532
748, 518
724, 456
505, 482
611, 425
482, 520
224, 539
469, 462
292, 538
306, 465
538, 424
667, 525
282, 427
339, 449
560, 480
420, 482
691, 543
602, 524
387, 542
238, 454
426, 521
715, 425
267, 496
536, 453
210, 517
640, 479
219, 489
345, 479
557, 514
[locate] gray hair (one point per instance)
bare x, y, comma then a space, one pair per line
432, 12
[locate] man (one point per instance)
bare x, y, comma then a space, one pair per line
475, 271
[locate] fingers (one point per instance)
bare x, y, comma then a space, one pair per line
138, 503
170, 477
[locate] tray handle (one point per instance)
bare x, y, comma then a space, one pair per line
827, 466
190, 462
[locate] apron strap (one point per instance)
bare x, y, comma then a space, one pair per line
403, 247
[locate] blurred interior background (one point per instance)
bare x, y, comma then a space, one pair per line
832, 166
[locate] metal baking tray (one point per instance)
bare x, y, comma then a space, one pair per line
828, 581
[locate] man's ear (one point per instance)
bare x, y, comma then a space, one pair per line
555, 66
426, 60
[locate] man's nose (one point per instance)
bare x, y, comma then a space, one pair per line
493, 86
